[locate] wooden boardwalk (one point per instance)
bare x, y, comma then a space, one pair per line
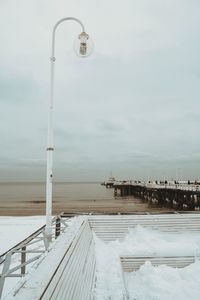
68, 270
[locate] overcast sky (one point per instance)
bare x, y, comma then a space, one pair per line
132, 108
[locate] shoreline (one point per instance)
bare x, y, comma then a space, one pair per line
119, 205
28, 199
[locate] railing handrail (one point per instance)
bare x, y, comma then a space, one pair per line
31, 237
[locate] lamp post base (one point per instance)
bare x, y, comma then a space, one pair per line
47, 237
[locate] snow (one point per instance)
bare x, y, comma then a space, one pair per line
148, 283
164, 283
40, 274
152, 283
14, 229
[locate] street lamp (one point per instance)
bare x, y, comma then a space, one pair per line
83, 48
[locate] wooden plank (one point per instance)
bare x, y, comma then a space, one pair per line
78, 265
111, 228
133, 263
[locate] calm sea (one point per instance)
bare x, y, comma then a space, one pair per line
28, 198
32, 191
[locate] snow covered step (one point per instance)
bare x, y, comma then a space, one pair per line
133, 263
110, 228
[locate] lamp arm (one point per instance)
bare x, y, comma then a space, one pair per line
54, 32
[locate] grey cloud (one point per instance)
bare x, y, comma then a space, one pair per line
110, 126
132, 107
14, 88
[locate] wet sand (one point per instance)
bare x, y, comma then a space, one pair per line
27, 199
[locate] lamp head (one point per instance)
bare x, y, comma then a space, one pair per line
83, 45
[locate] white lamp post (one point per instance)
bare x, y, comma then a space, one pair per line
83, 48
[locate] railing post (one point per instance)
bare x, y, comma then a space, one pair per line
6, 267
23, 260
57, 229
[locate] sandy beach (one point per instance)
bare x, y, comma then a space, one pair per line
28, 199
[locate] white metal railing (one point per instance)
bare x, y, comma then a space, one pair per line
67, 271
179, 186
16, 261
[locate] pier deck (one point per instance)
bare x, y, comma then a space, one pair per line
174, 196
68, 269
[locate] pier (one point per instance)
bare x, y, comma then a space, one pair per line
67, 270
185, 196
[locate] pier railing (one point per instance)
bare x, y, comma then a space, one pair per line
14, 262
175, 195
67, 271
172, 185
